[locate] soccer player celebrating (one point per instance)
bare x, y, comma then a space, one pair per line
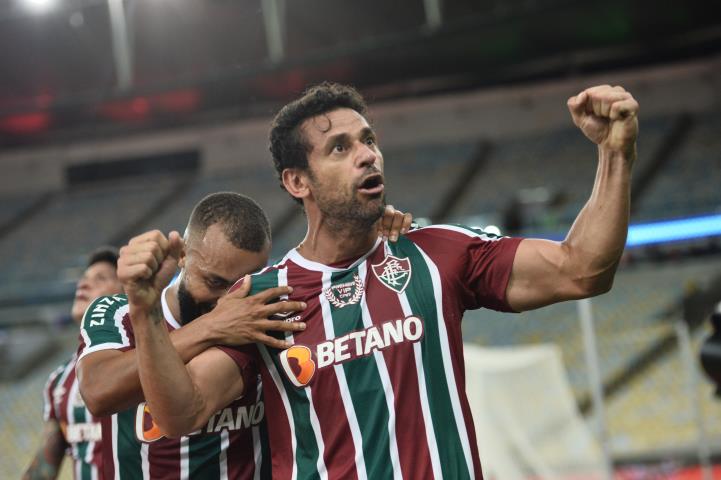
69, 426
227, 236
373, 387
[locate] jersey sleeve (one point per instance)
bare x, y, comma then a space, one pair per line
244, 360
106, 326
478, 263
48, 404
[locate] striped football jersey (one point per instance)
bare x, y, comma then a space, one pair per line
374, 387
230, 445
64, 405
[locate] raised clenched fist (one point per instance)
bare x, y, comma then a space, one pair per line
147, 264
608, 116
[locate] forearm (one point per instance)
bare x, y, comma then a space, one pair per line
172, 398
597, 238
42, 469
113, 385
48, 459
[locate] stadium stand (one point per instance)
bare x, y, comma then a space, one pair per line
689, 185
75, 222
418, 177
41, 256
628, 320
554, 170
639, 423
21, 421
256, 183
11, 206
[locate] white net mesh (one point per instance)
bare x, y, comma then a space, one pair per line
527, 423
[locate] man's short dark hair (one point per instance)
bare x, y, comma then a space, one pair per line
243, 221
105, 254
288, 145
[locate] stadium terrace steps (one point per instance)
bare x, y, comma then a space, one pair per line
41, 256
560, 164
257, 183
629, 321
689, 184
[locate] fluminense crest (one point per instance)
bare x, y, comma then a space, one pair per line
394, 273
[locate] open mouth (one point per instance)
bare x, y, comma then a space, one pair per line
372, 184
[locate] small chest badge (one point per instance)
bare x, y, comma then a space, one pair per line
344, 294
394, 273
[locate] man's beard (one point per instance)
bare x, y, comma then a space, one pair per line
189, 308
351, 213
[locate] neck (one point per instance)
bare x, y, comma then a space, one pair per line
328, 242
171, 296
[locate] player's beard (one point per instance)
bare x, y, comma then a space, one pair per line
190, 309
343, 211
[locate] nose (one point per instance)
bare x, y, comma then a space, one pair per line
367, 156
83, 283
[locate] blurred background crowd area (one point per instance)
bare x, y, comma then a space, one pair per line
118, 116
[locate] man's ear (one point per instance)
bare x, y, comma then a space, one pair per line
296, 183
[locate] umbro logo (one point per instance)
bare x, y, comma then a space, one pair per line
286, 316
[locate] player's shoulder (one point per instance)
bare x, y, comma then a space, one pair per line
107, 306
57, 373
266, 277
448, 231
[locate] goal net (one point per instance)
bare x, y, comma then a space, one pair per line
526, 419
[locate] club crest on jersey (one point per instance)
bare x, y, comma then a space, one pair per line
394, 273
344, 294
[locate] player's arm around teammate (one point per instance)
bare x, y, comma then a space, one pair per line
584, 264
182, 397
109, 379
179, 403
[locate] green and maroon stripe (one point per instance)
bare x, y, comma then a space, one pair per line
421, 295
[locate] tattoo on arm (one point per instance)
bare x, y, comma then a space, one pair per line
156, 314
47, 461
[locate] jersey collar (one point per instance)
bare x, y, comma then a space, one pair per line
302, 262
166, 309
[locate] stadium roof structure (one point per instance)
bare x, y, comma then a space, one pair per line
86, 68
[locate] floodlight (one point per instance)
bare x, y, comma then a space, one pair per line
39, 6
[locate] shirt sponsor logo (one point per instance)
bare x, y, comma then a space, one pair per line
228, 418
82, 432
300, 362
344, 294
393, 272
